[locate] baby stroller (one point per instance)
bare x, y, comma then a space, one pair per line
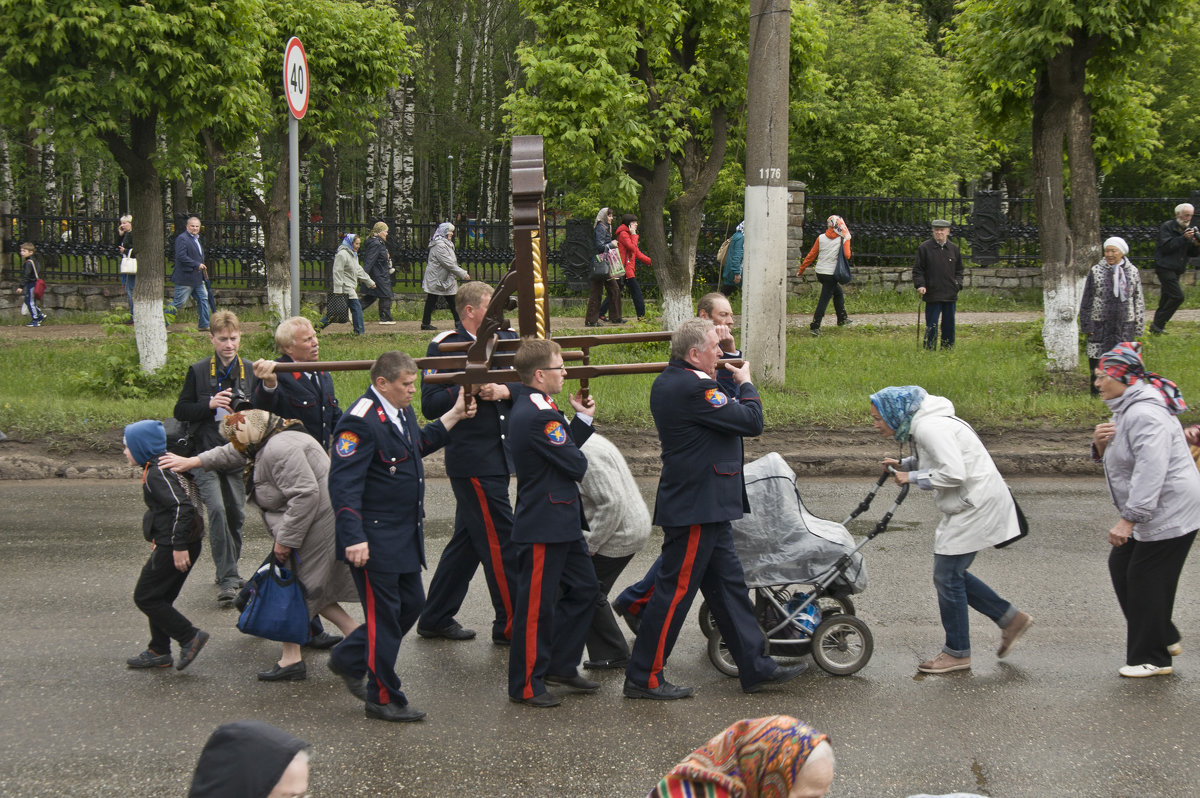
801, 571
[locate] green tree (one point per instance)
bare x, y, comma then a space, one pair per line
1058, 60
356, 52
140, 78
893, 122
637, 100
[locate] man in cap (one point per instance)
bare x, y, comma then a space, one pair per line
938, 277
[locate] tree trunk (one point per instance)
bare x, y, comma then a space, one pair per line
136, 160
330, 212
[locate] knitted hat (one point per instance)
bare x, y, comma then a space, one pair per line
145, 440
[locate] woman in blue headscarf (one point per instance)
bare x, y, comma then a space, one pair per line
347, 273
442, 274
977, 512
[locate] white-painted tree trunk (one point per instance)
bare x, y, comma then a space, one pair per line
677, 308
764, 283
279, 298
151, 333
1060, 326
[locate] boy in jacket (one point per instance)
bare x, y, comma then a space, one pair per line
174, 528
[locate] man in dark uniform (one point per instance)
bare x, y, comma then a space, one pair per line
377, 488
478, 466
715, 307
700, 490
304, 395
214, 388
1177, 241
938, 277
556, 583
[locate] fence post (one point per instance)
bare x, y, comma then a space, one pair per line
795, 226
987, 228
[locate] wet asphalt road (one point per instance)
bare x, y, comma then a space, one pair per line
1053, 719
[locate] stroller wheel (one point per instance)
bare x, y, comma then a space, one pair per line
705, 620
719, 653
841, 645
835, 604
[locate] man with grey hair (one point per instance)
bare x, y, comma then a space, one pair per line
304, 395
377, 489
1177, 242
700, 490
938, 277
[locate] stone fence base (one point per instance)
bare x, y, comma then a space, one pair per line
107, 297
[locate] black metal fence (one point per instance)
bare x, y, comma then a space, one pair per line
991, 229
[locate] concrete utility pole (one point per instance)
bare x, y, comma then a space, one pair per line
764, 267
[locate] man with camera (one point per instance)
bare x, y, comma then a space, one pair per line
1177, 241
214, 388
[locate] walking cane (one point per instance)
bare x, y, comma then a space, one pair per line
920, 298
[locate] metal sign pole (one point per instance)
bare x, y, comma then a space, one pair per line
294, 209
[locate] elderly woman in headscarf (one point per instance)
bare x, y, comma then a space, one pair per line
1113, 308
346, 276
771, 757
1156, 489
442, 274
824, 253
251, 759
602, 239
287, 476
977, 512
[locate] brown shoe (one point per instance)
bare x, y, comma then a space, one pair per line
1010, 634
944, 663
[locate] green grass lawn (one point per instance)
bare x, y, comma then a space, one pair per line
995, 378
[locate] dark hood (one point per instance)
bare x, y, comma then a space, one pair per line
244, 759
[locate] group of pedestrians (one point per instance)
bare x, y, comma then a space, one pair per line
623, 243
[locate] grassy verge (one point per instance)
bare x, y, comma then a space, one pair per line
995, 377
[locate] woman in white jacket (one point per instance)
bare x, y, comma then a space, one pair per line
977, 512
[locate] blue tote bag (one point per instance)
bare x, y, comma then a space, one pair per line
275, 608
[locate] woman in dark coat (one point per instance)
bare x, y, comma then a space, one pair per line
377, 262
602, 237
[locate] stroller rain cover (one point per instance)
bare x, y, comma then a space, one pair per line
779, 541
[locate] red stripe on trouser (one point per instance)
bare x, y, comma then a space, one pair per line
681, 589
498, 572
538, 552
384, 698
638, 605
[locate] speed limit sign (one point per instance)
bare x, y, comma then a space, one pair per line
295, 77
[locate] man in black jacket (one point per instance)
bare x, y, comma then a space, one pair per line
215, 387
938, 277
1176, 243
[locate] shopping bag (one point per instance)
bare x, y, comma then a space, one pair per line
599, 267
128, 265
337, 309
275, 608
615, 267
841, 272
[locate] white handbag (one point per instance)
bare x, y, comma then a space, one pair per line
128, 265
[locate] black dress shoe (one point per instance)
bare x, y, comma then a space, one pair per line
324, 640
501, 641
632, 621
454, 631
615, 664
189, 650
664, 692
575, 682
394, 713
784, 673
296, 672
541, 700
591, 324
354, 684
428, 327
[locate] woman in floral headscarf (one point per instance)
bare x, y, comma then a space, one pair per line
824, 253
771, 757
1113, 309
287, 476
977, 512
1156, 488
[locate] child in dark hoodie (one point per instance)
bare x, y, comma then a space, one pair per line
174, 529
251, 759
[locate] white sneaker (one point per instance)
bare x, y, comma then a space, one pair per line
1139, 671
1175, 649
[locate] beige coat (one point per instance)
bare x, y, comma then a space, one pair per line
291, 488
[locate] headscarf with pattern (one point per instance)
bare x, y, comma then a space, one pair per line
1124, 364
249, 430
897, 405
754, 758
838, 224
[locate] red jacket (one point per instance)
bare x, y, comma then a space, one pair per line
627, 243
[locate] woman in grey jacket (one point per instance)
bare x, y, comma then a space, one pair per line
346, 276
442, 274
1156, 488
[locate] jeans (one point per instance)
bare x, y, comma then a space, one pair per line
1170, 299
830, 289
128, 281
35, 313
932, 311
224, 496
356, 317
183, 293
957, 589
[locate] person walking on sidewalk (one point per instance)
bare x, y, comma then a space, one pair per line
977, 512
938, 277
824, 253
377, 262
29, 278
1177, 241
442, 274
